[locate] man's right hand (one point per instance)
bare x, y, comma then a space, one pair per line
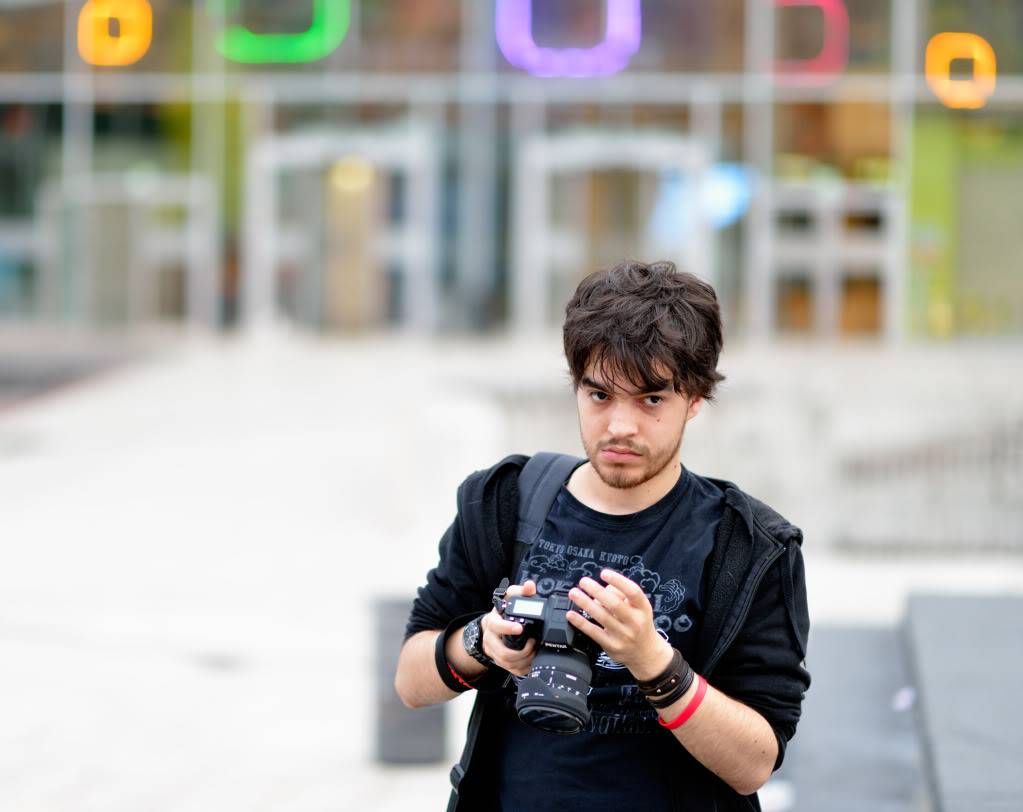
495, 627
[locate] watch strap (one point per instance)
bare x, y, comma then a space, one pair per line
472, 641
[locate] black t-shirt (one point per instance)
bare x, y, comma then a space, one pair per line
623, 759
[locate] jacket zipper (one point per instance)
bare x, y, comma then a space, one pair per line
721, 648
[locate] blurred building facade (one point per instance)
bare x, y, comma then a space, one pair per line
364, 164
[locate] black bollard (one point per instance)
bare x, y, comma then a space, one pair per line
404, 736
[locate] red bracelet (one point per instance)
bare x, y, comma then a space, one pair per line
690, 709
459, 677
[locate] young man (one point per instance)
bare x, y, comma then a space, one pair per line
693, 591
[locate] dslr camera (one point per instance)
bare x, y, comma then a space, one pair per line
554, 695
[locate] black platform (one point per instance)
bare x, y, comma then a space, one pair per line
853, 750
967, 662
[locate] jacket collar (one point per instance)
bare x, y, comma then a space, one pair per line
758, 516
743, 550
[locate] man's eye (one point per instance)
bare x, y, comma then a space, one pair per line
653, 400
599, 397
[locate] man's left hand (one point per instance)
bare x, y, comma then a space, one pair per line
626, 631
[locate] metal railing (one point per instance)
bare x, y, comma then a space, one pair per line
963, 492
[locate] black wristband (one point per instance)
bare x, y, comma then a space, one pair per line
671, 684
660, 701
492, 681
667, 679
440, 659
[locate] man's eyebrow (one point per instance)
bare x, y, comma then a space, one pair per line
592, 384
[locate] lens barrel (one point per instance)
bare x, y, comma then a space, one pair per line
553, 696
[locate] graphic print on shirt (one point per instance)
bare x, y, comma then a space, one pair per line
616, 706
662, 548
562, 566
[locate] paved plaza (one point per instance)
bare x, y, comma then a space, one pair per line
192, 545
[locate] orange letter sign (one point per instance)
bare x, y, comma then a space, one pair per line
968, 94
98, 45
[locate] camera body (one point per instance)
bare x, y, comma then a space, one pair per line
542, 619
554, 695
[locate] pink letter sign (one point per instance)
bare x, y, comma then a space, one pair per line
514, 24
834, 53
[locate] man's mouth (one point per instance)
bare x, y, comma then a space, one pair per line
618, 453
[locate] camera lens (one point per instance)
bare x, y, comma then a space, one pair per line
552, 696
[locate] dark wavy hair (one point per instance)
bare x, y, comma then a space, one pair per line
634, 321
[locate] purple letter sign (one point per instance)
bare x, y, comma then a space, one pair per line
514, 23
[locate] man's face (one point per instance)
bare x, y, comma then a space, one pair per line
631, 436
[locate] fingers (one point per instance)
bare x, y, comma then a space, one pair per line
494, 627
591, 630
615, 591
620, 607
597, 604
496, 624
629, 589
606, 598
526, 590
517, 662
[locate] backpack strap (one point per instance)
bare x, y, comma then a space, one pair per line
538, 483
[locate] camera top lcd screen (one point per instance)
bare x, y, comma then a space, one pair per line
527, 607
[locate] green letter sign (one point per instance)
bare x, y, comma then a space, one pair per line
325, 33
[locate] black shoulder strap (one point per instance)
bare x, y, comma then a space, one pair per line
539, 482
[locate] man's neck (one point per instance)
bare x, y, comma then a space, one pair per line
587, 486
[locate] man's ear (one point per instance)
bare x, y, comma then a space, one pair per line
694, 407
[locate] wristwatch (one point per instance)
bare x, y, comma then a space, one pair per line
472, 640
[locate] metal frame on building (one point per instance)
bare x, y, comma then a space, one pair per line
539, 158
479, 87
67, 276
411, 150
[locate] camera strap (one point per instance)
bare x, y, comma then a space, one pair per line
539, 482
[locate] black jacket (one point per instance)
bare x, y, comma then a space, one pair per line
752, 641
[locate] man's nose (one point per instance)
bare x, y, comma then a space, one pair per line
623, 422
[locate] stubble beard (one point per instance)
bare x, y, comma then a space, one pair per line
626, 476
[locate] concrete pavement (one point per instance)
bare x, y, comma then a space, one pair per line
191, 547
